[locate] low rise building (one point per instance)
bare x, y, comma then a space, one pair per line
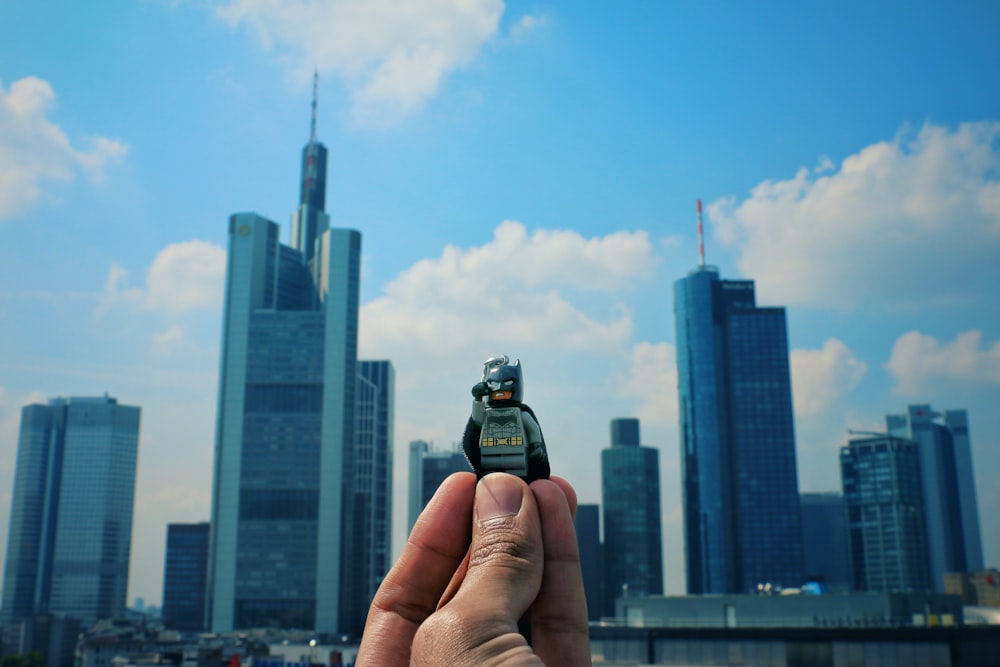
844, 610
980, 588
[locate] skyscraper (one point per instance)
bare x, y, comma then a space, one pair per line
71, 512
885, 523
588, 538
428, 469
742, 523
283, 523
950, 509
184, 570
372, 488
630, 495
824, 539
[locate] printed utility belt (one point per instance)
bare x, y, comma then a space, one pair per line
516, 441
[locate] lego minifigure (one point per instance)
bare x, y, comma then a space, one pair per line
502, 434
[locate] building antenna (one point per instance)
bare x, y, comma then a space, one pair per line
312, 127
701, 239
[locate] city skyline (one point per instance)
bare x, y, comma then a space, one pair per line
544, 156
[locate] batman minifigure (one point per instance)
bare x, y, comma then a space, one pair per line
502, 434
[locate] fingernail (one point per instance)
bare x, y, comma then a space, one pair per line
498, 495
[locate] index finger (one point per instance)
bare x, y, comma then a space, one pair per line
558, 616
411, 590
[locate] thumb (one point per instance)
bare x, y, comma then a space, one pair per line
504, 574
505, 557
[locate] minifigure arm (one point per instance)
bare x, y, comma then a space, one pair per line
479, 392
531, 428
478, 412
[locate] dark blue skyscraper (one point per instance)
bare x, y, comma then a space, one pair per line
184, 572
284, 524
742, 524
630, 495
588, 537
824, 538
71, 510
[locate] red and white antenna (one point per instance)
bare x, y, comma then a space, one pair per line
701, 239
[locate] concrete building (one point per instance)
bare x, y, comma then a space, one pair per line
70, 532
797, 647
781, 610
885, 524
742, 521
980, 588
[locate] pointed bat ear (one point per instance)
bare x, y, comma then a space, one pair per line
517, 363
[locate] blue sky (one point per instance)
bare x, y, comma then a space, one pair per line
538, 160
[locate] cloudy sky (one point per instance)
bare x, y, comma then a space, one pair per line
524, 176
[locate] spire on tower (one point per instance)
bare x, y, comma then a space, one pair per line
312, 127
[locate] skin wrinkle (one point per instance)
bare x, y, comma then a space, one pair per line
501, 549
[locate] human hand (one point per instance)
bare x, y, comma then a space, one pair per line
480, 558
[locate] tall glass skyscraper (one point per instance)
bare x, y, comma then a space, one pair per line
283, 519
630, 496
71, 513
371, 505
950, 508
885, 523
742, 523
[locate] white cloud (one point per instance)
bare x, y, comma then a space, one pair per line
35, 151
183, 277
508, 292
171, 339
393, 55
821, 377
526, 25
920, 362
653, 380
186, 276
912, 220
522, 294
116, 290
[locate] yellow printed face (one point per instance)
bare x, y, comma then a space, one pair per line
502, 395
